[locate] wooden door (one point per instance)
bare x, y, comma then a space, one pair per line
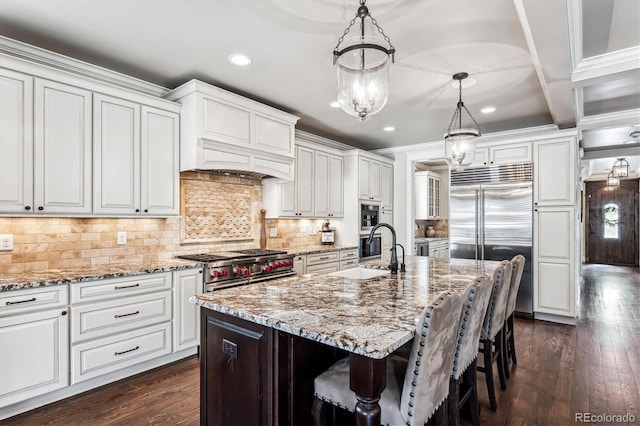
612, 223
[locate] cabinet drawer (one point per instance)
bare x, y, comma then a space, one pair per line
115, 316
349, 254
323, 268
102, 356
115, 287
348, 264
316, 258
31, 299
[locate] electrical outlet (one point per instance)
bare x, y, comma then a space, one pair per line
122, 238
273, 232
6, 242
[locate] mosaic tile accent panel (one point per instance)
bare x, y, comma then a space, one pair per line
216, 210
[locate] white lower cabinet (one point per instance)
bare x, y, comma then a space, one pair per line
97, 357
553, 261
119, 322
34, 344
325, 262
186, 322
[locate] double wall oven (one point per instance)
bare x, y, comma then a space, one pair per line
369, 217
228, 269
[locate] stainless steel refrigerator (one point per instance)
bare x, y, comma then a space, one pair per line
491, 218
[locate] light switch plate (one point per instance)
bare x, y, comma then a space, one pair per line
6, 242
122, 238
273, 232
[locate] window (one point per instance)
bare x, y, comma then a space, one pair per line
611, 221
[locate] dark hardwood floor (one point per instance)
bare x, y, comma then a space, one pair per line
562, 370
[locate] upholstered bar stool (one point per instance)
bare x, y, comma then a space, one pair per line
463, 368
517, 267
491, 335
417, 390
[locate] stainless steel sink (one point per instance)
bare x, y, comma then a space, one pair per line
359, 273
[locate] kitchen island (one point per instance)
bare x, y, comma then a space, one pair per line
262, 345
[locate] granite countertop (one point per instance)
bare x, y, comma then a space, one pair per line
423, 239
319, 249
64, 276
371, 317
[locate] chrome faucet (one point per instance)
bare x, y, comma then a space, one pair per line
394, 255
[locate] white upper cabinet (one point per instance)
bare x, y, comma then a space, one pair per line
222, 130
328, 181
117, 156
159, 154
427, 195
386, 187
45, 141
296, 198
16, 142
369, 175
554, 172
502, 154
62, 148
135, 158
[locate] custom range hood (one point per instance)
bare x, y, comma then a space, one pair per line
227, 133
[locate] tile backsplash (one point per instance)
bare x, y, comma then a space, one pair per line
42, 243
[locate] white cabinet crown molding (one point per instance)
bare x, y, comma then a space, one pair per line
60, 62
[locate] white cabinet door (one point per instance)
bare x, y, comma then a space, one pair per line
554, 275
554, 172
386, 236
62, 148
363, 178
427, 195
116, 138
481, 157
502, 154
16, 142
34, 355
386, 187
336, 186
186, 323
160, 176
304, 181
321, 182
300, 264
287, 199
433, 205
375, 175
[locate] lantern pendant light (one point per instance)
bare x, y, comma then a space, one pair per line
612, 180
460, 143
620, 168
363, 68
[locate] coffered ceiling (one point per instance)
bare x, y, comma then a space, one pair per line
538, 62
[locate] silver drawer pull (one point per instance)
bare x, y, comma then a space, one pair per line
33, 299
324, 258
126, 286
130, 350
128, 315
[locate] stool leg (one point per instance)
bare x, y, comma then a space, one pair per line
500, 352
316, 410
512, 340
454, 397
505, 349
474, 407
488, 372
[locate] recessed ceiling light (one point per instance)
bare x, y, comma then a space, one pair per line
240, 60
488, 110
467, 82
388, 129
334, 104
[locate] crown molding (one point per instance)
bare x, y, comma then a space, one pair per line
310, 137
60, 62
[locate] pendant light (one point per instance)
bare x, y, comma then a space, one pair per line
363, 67
620, 168
612, 180
460, 143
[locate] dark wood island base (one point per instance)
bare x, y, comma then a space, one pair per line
254, 375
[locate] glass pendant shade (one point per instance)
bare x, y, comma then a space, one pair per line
460, 143
612, 180
460, 148
363, 79
620, 168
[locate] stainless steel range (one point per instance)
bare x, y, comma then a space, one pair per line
242, 267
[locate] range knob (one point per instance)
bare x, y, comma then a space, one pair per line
224, 272
266, 268
246, 272
216, 274
237, 270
